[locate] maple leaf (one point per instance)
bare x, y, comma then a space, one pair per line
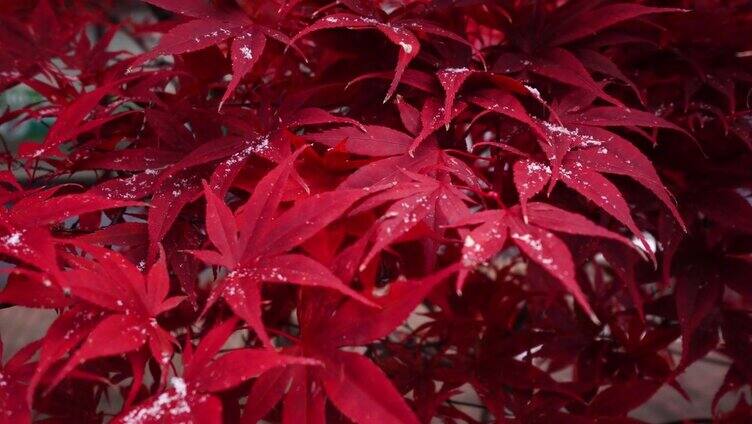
192, 396
578, 155
53, 209
176, 186
26, 236
565, 25
373, 140
13, 375
534, 237
420, 199
211, 27
131, 302
590, 19
432, 117
352, 383
72, 121
274, 140
399, 32
256, 252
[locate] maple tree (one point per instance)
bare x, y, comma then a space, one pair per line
371, 211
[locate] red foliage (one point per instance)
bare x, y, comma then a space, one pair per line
355, 211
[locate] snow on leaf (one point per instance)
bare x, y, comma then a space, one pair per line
481, 244
246, 51
618, 156
399, 219
451, 79
408, 44
173, 405
548, 251
562, 66
303, 271
599, 190
114, 335
555, 219
529, 178
188, 37
262, 205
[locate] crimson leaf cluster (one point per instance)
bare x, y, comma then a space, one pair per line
371, 211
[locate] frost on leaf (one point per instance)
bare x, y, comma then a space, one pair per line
377, 212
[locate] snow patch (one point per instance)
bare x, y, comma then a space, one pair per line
12, 240
171, 403
247, 52
406, 47
528, 239
534, 91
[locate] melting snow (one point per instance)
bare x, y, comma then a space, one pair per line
535, 167
649, 238
535, 244
534, 91
170, 403
406, 47
262, 145
12, 240
247, 53
584, 140
179, 385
